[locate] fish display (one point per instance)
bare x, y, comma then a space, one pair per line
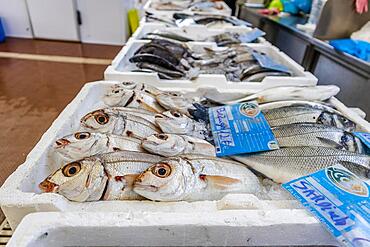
107, 176
286, 164
85, 144
193, 177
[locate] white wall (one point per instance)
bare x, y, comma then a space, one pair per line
15, 18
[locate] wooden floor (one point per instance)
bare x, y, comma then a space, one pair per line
37, 80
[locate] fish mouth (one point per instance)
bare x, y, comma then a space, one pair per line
151, 188
61, 143
47, 186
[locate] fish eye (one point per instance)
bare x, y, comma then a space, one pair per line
82, 135
71, 169
161, 170
101, 118
161, 136
176, 114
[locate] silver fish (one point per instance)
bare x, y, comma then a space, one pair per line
117, 122
103, 177
286, 164
173, 122
85, 144
175, 102
174, 145
192, 178
318, 135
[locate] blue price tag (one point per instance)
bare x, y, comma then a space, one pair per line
240, 128
251, 36
268, 63
339, 199
364, 137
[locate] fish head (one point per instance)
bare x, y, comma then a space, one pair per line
173, 122
80, 144
102, 120
164, 144
118, 95
339, 121
174, 101
169, 180
79, 181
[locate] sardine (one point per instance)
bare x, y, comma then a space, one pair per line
317, 135
85, 144
118, 122
174, 145
193, 177
286, 164
108, 176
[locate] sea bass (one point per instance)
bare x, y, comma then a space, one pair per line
173, 122
85, 144
286, 164
193, 177
118, 122
174, 145
103, 177
319, 135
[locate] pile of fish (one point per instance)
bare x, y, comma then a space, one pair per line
174, 60
190, 5
151, 144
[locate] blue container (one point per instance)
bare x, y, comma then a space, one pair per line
2, 33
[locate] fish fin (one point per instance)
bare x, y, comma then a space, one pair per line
331, 143
130, 179
219, 182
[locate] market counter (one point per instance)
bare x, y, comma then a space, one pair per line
328, 65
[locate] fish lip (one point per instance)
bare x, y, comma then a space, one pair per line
48, 187
151, 188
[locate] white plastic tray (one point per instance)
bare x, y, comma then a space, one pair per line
120, 70
222, 228
165, 13
195, 32
20, 195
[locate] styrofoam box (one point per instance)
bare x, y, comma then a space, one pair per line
223, 228
120, 70
20, 195
166, 13
195, 32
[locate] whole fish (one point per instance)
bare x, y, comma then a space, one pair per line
311, 134
103, 177
85, 144
175, 102
192, 178
118, 122
173, 122
174, 145
286, 164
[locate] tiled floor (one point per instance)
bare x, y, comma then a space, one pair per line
33, 93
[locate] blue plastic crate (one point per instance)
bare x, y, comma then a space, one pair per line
2, 33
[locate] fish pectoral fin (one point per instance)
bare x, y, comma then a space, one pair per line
331, 143
130, 179
219, 182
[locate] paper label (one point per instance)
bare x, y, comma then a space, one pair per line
240, 128
339, 199
267, 62
251, 36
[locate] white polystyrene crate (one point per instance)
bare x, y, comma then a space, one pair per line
120, 70
226, 11
195, 32
20, 194
222, 228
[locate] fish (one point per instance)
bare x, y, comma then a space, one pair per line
312, 134
173, 145
194, 178
85, 144
286, 164
162, 70
150, 58
107, 177
118, 122
175, 102
172, 122
307, 113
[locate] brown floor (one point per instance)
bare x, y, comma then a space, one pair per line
33, 93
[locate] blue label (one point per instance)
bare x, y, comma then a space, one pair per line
240, 128
251, 36
364, 137
268, 63
339, 199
